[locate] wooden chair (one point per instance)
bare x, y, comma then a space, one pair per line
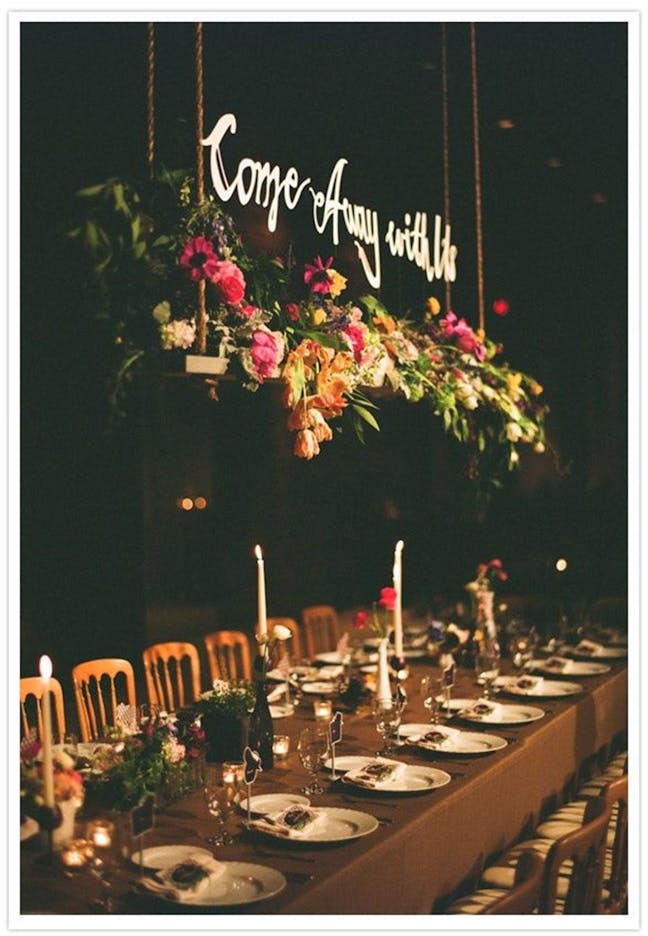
584, 849
33, 686
523, 896
89, 693
294, 647
615, 886
321, 629
229, 657
165, 683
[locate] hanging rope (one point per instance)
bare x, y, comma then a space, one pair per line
201, 318
478, 189
446, 147
150, 97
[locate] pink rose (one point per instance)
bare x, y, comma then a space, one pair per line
229, 281
387, 598
360, 618
246, 310
356, 338
266, 352
292, 311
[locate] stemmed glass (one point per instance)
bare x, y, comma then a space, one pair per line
219, 797
429, 689
487, 665
313, 749
387, 719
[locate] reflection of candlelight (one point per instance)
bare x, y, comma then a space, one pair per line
281, 746
101, 833
76, 853
322, 710
233, 772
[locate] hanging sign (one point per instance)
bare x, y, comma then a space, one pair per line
427, 246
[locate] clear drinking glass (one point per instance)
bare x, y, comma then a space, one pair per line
487, 665
429, 691
387, 719
313, 749
219, 798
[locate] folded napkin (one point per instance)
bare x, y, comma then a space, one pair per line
293, 822
558, 664
436, 739
589, 648
378, 771
277, 693
183, 881
329, 672
484, 709
530, 685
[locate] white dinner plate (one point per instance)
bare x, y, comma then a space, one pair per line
347, 762
416, 653
266, 803
605, 653
509, 715
281, 711
414, 778
464, 743
576, 669
332, 657
160, 857
240, 883
335, 825
319, 687
369, 668
550, 689
455, 704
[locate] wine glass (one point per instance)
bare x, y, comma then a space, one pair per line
219, 797
313, 749
429, 689
387, 719
487, 665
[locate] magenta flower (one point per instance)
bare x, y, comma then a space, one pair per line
266, 352
229, 281
316, 276
199, 257
356, 337
460, 332
387, 598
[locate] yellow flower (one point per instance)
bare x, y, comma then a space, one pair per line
536, 388
384, 322
513, 382
433, 305
319, 317
337, 281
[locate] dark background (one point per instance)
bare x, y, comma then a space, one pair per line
109, 563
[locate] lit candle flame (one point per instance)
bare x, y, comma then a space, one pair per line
257, 552
399, 547
45, 667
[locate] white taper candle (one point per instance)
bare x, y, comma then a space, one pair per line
45, 670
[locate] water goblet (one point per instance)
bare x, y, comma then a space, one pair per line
488, 666
313, 749
429, 689
219, 798
387, 719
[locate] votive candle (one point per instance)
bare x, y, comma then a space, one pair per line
76, 853
100, 833
234, 772
322, 709
281, 746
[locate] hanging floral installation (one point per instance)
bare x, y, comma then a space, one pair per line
149, 248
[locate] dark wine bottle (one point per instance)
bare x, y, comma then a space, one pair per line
261, 728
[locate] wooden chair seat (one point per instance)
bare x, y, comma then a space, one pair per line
520, 897
91, 693
33, 686
228, 653
165, 680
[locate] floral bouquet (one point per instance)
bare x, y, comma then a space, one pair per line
481, 593
68, 782
229, 699
381, 617
488, 574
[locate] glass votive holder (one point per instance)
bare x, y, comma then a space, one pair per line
76, 853
101, 833
281, 746
234, 772
322, 709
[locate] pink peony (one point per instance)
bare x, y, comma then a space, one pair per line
229, 281
266, 352
246, 310
459, 331
356, 337
199, 257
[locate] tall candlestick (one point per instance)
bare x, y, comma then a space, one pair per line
45, 670
262, 616
398, 603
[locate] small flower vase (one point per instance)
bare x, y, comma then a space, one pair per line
383, 687
62, 835
227, 736
261, 727
483, 612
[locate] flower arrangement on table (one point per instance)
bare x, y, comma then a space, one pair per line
149, 251
488, 574
157, 760
68, 782
234, 699
381, 617
481, 591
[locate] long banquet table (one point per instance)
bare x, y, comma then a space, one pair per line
430, 843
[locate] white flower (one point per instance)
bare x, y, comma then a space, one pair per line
514, 458
539, 448
471, 402
513, 432
173, 751
219, 686
179, 333
162, 312
63, 760
488, 393
281, 632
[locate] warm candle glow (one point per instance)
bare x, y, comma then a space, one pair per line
281, 746
257, 552
100, 833
45, 667
322, 709
262, 614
